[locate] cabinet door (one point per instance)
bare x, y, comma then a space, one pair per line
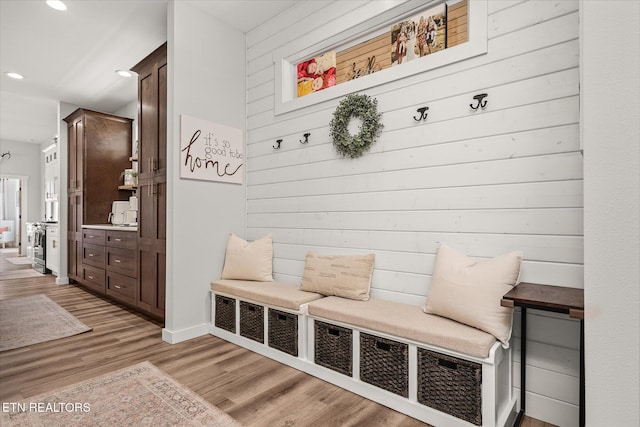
53, 248
152, 93
151, 279
148, 126
74, 236
76, 148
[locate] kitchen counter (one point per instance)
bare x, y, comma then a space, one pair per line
111, 227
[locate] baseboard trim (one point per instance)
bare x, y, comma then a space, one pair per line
175, 337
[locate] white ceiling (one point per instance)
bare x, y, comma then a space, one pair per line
72, 56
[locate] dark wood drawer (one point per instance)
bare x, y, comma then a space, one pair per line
122, 261
122, 239
121, 287
95, 237
93, 278
93, 255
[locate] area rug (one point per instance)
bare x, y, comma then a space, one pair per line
35, 319
141, 395
20, 260
26, 273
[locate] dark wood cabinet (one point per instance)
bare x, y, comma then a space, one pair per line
99, 150
152, 181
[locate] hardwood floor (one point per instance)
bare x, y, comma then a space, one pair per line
255, 390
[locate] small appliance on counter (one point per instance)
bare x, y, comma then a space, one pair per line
124, 213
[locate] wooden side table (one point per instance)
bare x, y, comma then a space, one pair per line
549, 298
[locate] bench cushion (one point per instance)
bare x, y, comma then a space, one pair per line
405, 321
277, 294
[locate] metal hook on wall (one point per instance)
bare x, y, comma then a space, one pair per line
306, 138
278, 141
7, 155
423, 114
480, 101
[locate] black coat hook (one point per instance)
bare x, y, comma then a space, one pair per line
423, 114
306, 138
278, 141
480, 101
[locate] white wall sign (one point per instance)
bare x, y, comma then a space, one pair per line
210, 151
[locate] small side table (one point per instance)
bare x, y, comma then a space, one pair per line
549, 298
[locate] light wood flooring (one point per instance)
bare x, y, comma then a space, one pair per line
255, 390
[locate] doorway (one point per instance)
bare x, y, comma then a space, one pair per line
11, 214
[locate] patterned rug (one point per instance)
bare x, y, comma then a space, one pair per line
35, 319
141, 395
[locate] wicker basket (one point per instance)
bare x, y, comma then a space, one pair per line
450, 385
252, 321
283, 331
334, 347
385, 364
226, 313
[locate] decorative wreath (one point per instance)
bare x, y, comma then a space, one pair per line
365, 108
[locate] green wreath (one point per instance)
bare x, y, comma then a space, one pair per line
365, 108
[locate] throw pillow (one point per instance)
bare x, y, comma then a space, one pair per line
347, 276
469, 290
249, 260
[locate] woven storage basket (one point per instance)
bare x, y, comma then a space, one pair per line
334, 347
385, 364
226, 313
450, 385
252, 321
283, 331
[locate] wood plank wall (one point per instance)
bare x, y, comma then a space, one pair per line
485, 182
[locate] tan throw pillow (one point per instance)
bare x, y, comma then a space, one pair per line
469, 290
249, 260
347, 276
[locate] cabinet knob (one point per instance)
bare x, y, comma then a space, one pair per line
118, 240
117, 287
91, 255
117, 260
91, 277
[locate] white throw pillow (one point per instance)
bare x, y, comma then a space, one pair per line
347, 276
469, 290
249, 260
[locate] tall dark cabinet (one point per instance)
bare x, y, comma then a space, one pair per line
99, 150
152, 181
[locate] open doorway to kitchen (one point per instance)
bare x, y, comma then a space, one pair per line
11, 214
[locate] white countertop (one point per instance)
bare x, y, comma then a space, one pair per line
111, 227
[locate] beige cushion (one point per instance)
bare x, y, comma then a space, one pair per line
276, 294
405, 321
347, 276
248, 260
469, 290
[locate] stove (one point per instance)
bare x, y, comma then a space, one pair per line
40, 248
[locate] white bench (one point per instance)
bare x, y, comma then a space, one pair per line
385, 351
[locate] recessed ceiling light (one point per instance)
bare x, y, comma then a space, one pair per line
124, 73
13, 75
56, 4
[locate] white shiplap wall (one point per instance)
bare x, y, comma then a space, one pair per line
485, 182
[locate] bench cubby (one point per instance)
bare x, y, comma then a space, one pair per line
252, 321
451, 385
385, 364
283, 331
225, 308
333, 347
